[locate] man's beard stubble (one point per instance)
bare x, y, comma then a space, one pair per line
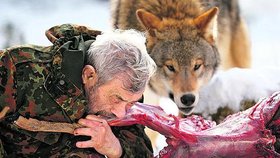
92, 98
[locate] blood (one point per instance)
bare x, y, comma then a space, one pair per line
251, 133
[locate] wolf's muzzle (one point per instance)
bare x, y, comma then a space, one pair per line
188, 99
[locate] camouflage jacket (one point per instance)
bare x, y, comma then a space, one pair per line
45, 83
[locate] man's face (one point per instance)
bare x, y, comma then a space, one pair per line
111, 99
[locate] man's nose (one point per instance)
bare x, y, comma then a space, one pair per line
120, 110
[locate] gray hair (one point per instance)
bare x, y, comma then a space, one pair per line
122, 52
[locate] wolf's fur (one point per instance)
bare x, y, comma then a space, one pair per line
186, 38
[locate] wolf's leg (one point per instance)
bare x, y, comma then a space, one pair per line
240, 46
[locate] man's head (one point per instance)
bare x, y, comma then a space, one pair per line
117, 72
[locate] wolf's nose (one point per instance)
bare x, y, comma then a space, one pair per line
188, 99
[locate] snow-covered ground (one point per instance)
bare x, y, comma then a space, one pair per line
33, 17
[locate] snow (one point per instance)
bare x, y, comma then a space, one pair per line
229, 88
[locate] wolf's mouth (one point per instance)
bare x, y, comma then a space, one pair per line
186, 110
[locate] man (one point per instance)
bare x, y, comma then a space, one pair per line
66, 83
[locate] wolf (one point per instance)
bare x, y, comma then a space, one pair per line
189, 40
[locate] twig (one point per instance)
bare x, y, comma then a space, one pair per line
45, 126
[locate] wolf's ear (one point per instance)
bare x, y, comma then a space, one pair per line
207, 24
148, 20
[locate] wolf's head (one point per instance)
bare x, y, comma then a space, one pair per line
185, 53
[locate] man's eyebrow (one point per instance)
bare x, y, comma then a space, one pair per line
119, 97
122, 99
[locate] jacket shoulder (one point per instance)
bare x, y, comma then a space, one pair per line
29, 53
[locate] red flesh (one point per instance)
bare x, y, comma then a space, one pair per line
244, 134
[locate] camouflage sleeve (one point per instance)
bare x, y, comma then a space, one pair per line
7, 89
134, 141
2, 151
7, 84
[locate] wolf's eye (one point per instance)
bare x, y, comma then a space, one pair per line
170, 68
196, 67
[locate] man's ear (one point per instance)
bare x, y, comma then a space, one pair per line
89, 75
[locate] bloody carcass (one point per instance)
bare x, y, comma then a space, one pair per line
251, 133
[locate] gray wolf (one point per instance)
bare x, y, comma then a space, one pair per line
187, 39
